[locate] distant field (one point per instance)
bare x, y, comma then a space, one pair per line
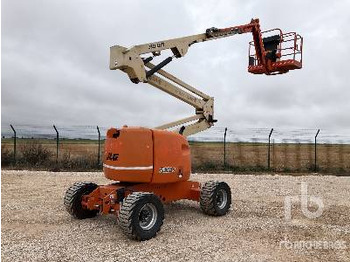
9, 141
75, 147
206, 156
283, 157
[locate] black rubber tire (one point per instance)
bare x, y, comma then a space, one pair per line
209, 202
130, 211
73, 197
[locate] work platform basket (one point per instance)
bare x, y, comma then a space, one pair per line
283, 52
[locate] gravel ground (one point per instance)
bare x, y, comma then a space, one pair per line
36, 227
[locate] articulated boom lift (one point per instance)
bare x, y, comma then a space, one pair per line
152, 166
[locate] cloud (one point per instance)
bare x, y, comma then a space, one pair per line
55, 63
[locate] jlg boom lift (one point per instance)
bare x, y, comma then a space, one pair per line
152, 166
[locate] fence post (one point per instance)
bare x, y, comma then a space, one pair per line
273, 153
57, 142
318, 131
14, 144
268, 151
99, 147
225, 148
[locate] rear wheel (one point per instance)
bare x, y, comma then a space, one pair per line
215, 198
141, 215
73, 198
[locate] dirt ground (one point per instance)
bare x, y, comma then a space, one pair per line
36, 227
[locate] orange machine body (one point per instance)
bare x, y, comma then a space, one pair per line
143, 155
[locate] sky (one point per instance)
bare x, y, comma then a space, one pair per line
55, 63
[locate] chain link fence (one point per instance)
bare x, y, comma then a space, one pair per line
267, 149
218, 149
52, 147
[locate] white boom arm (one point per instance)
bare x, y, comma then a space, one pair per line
129, 60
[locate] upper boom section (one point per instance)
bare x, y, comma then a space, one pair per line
130, 61
268, 51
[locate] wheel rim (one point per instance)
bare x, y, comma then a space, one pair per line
221, 198
148, 216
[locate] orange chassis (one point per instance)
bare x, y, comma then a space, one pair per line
107, 198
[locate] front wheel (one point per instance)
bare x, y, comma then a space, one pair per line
73, 198
141, 215
215, 198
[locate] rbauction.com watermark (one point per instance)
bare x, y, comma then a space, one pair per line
303, 199
313, 244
